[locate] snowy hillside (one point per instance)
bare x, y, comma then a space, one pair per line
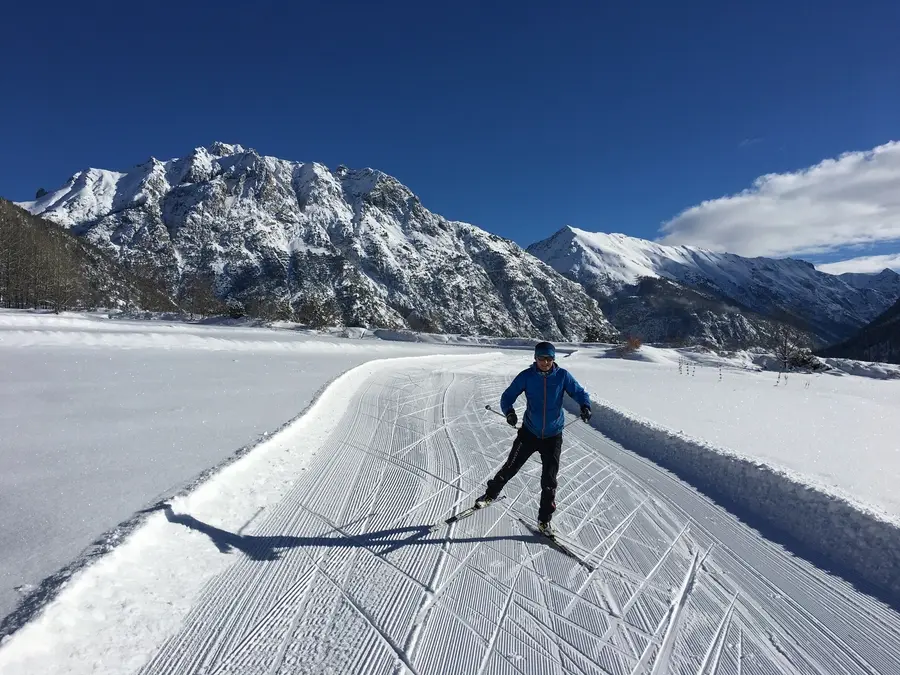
350, 246
46, 266
830, 307
877, 341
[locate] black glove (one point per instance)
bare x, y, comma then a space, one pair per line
585, 413
511, 418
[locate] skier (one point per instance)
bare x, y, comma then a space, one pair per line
543, 383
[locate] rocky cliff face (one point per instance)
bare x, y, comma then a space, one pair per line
355, 246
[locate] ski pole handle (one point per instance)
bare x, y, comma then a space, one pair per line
497, 412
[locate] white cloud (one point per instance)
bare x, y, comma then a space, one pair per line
870, 263
851, 200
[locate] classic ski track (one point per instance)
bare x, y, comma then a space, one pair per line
416, 628
415, 445
821, 607
222, 592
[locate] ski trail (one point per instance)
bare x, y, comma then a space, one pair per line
661, 664
490, 646
711, 661
811, 608
614, 535
459, 568
364, 614
342, 573
416, 628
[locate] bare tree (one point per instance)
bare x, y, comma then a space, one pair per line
629, 345
787, 345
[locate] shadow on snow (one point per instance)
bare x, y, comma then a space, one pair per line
270, 547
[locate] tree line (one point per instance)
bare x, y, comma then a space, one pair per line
43, 266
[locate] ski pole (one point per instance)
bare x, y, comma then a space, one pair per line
497, 412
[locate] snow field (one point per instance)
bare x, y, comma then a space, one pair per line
154, 577
312, 554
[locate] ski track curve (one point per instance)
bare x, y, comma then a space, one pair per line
342, 575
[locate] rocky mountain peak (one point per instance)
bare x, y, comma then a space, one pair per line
352, 246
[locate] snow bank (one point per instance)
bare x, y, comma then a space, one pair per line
879, 371
846, 534
759, 359
135, 340
645, 354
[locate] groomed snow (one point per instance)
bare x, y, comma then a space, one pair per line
311, 553
101, 418
812, 457
108, 417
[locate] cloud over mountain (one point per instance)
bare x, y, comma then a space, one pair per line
851, 200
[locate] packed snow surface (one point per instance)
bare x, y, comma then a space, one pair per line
312, 552
102, 417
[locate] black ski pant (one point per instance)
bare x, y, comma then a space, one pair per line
525, 445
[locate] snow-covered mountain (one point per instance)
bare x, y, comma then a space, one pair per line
741, 296
659, 310
887, 281
876, 341
355, 245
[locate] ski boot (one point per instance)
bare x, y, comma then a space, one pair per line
483, 501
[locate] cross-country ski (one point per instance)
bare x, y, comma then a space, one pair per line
465, 513
554, 539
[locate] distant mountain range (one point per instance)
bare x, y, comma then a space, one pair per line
349, 246
683, 293
357, 247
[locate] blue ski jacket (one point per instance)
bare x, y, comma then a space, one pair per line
544, 396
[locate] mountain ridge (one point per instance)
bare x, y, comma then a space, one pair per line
349, 245
356, 246
826, 307
877, 341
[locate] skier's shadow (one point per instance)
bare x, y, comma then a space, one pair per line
264, 548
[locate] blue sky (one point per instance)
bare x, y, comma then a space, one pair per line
518, 117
